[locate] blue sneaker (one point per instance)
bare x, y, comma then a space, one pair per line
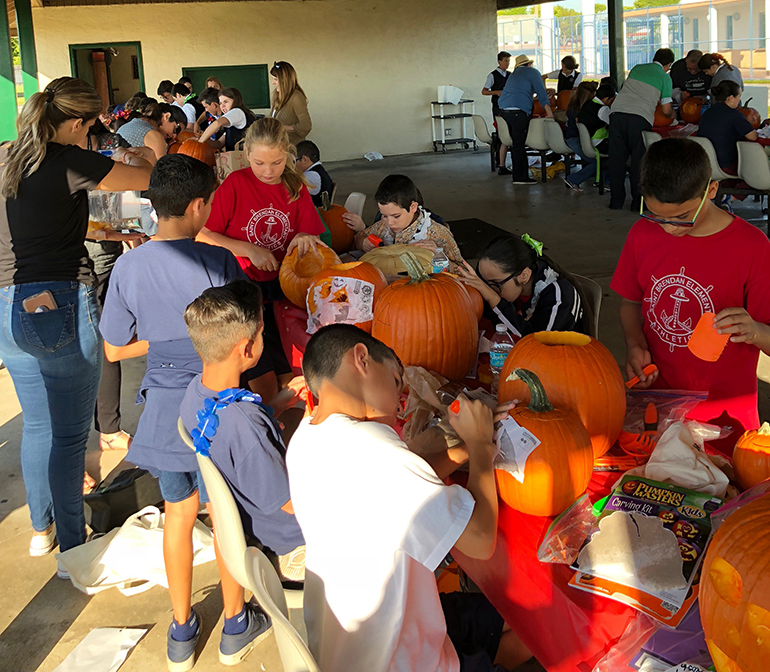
180, 656
234, 648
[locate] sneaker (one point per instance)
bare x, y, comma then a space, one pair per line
42, 544
528, 180
61, 571
180, 656
234, 648
502, 170
574, 187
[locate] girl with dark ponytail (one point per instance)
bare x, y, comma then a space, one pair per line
525, 289
50, 340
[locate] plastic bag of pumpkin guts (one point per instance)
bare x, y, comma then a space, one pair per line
647, 547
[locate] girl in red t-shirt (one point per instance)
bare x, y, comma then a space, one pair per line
260, 214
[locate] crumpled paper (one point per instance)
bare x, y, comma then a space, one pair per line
679, 459
102, 650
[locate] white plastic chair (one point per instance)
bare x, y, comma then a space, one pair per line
588, 148
592, 291
355, 203
650, 137
481, 130
754, 170
556, 143
716, 172
537, 141
251, 568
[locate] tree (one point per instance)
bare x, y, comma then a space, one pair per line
516, 11
599, 8
643, 4
15, 51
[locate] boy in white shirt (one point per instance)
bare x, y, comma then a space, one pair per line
378, 520
181, 93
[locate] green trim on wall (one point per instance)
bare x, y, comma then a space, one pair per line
27, 47
107, 45
250, 80
8, 109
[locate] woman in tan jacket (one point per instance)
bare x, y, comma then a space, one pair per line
289, 104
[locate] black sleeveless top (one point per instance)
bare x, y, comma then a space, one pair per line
327, 184
498, 82
566, 83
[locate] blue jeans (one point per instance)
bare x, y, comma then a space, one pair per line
54, 358
588, 170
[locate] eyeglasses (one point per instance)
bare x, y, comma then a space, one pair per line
670, 222
496, 285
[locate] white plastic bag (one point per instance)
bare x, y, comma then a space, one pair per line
130, 558
679, 459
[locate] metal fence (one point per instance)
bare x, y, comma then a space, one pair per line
740, 36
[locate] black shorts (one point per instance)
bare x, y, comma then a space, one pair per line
273, 356
475, 628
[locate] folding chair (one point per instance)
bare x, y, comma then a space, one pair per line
592, 292
588, 148
481, 130
355, 203
556, 143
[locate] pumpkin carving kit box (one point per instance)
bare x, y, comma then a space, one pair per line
647, 547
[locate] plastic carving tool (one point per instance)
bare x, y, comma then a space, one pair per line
649, 369
455, 406
706, 342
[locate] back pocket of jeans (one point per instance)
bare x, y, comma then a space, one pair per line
49, 330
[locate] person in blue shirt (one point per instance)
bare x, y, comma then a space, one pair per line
225, 326
516, 104
143, 314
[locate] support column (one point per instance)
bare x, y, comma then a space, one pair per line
767, 35
547, 26
616, 40
713, 30
27, 47
100, 78
665, 40
588, 39
8, 111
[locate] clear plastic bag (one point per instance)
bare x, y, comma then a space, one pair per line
114, 210
566, 534
671, 406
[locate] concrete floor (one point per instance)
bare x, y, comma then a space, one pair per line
43, 618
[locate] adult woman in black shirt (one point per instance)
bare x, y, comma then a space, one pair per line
50, 340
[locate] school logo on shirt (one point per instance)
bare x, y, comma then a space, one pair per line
268, 228
676, 303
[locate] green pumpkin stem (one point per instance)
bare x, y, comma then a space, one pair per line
413, 267
325, 201
538, 399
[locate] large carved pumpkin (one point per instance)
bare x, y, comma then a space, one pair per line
388, 258
342, 236
661, 119
538, 110
579, 374
200, 151
297, 273
557, 472
357, 270
429, 321
690, 110
735, 591
751, 114
476, 299
751, 459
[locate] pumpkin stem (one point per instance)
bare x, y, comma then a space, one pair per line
764, 430
325, 201
746, 104
413, 267
538, 399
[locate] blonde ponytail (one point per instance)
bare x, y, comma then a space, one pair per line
63, 99
270, 132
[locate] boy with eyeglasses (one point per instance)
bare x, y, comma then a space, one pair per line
683, 258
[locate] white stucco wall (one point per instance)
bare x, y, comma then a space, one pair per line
369, 67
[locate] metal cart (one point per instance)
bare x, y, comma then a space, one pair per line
438, 114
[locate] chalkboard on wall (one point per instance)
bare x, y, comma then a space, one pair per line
250, 80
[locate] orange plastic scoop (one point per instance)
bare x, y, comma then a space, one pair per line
706, 342
650, 368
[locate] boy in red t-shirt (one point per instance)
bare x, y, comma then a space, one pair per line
686, 257
260, 214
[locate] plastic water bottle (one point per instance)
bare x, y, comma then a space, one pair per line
502, 343
440, 261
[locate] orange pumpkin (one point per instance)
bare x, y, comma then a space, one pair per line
297, 273
429, 320
735, 590
476, 299
751, 459
173, 148
557, 472
579, 374
538, 110
357, 270
690, 110
184, 135
342, 236
660, 118
751, 114
562, 100
200, 151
